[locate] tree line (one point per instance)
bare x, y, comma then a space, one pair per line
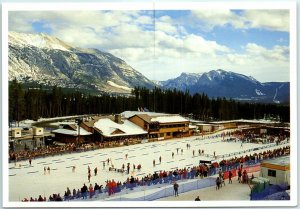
34, 103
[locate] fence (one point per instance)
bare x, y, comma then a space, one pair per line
149, 192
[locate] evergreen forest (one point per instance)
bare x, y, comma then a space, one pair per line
34, 103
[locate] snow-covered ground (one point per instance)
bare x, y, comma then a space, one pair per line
31, 181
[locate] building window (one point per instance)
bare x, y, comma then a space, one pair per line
161, 135
271, 173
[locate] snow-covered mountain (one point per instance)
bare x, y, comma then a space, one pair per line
48, 60
182, 82
221, 83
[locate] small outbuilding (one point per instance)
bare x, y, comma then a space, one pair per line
277, 170
37, 131
16, 132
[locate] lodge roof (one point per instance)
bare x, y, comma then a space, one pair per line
153, 117
73, 131
109, 128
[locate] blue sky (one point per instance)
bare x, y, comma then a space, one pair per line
251, 42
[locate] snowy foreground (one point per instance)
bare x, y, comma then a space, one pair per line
31, 181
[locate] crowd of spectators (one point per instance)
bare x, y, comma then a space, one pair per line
55, 149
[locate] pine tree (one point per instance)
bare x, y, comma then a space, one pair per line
16, 102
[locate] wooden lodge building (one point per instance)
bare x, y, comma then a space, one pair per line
70, 133
162, 126
136, 126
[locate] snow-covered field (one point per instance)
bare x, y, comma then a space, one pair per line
31, 181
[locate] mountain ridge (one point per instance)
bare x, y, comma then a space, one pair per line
48, 60
221, 83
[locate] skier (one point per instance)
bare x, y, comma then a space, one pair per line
159, 159
172, 154
128, 167
30, 161
73, 168
89, 177
153, 163
95, 171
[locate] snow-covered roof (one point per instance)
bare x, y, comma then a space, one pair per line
283, 161
110, 128
195, 121
15, 128
169, 119
204, 124
128, 114
192, 126
65, 131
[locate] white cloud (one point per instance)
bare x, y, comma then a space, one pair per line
144, 20
196, 43
277, 53
165, 27
261, 63
19, 22
273, 20
277, 20
212, 18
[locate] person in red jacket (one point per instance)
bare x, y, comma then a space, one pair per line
91, 190
113, 186
229, 177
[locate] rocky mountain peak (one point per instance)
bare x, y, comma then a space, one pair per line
48, 60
